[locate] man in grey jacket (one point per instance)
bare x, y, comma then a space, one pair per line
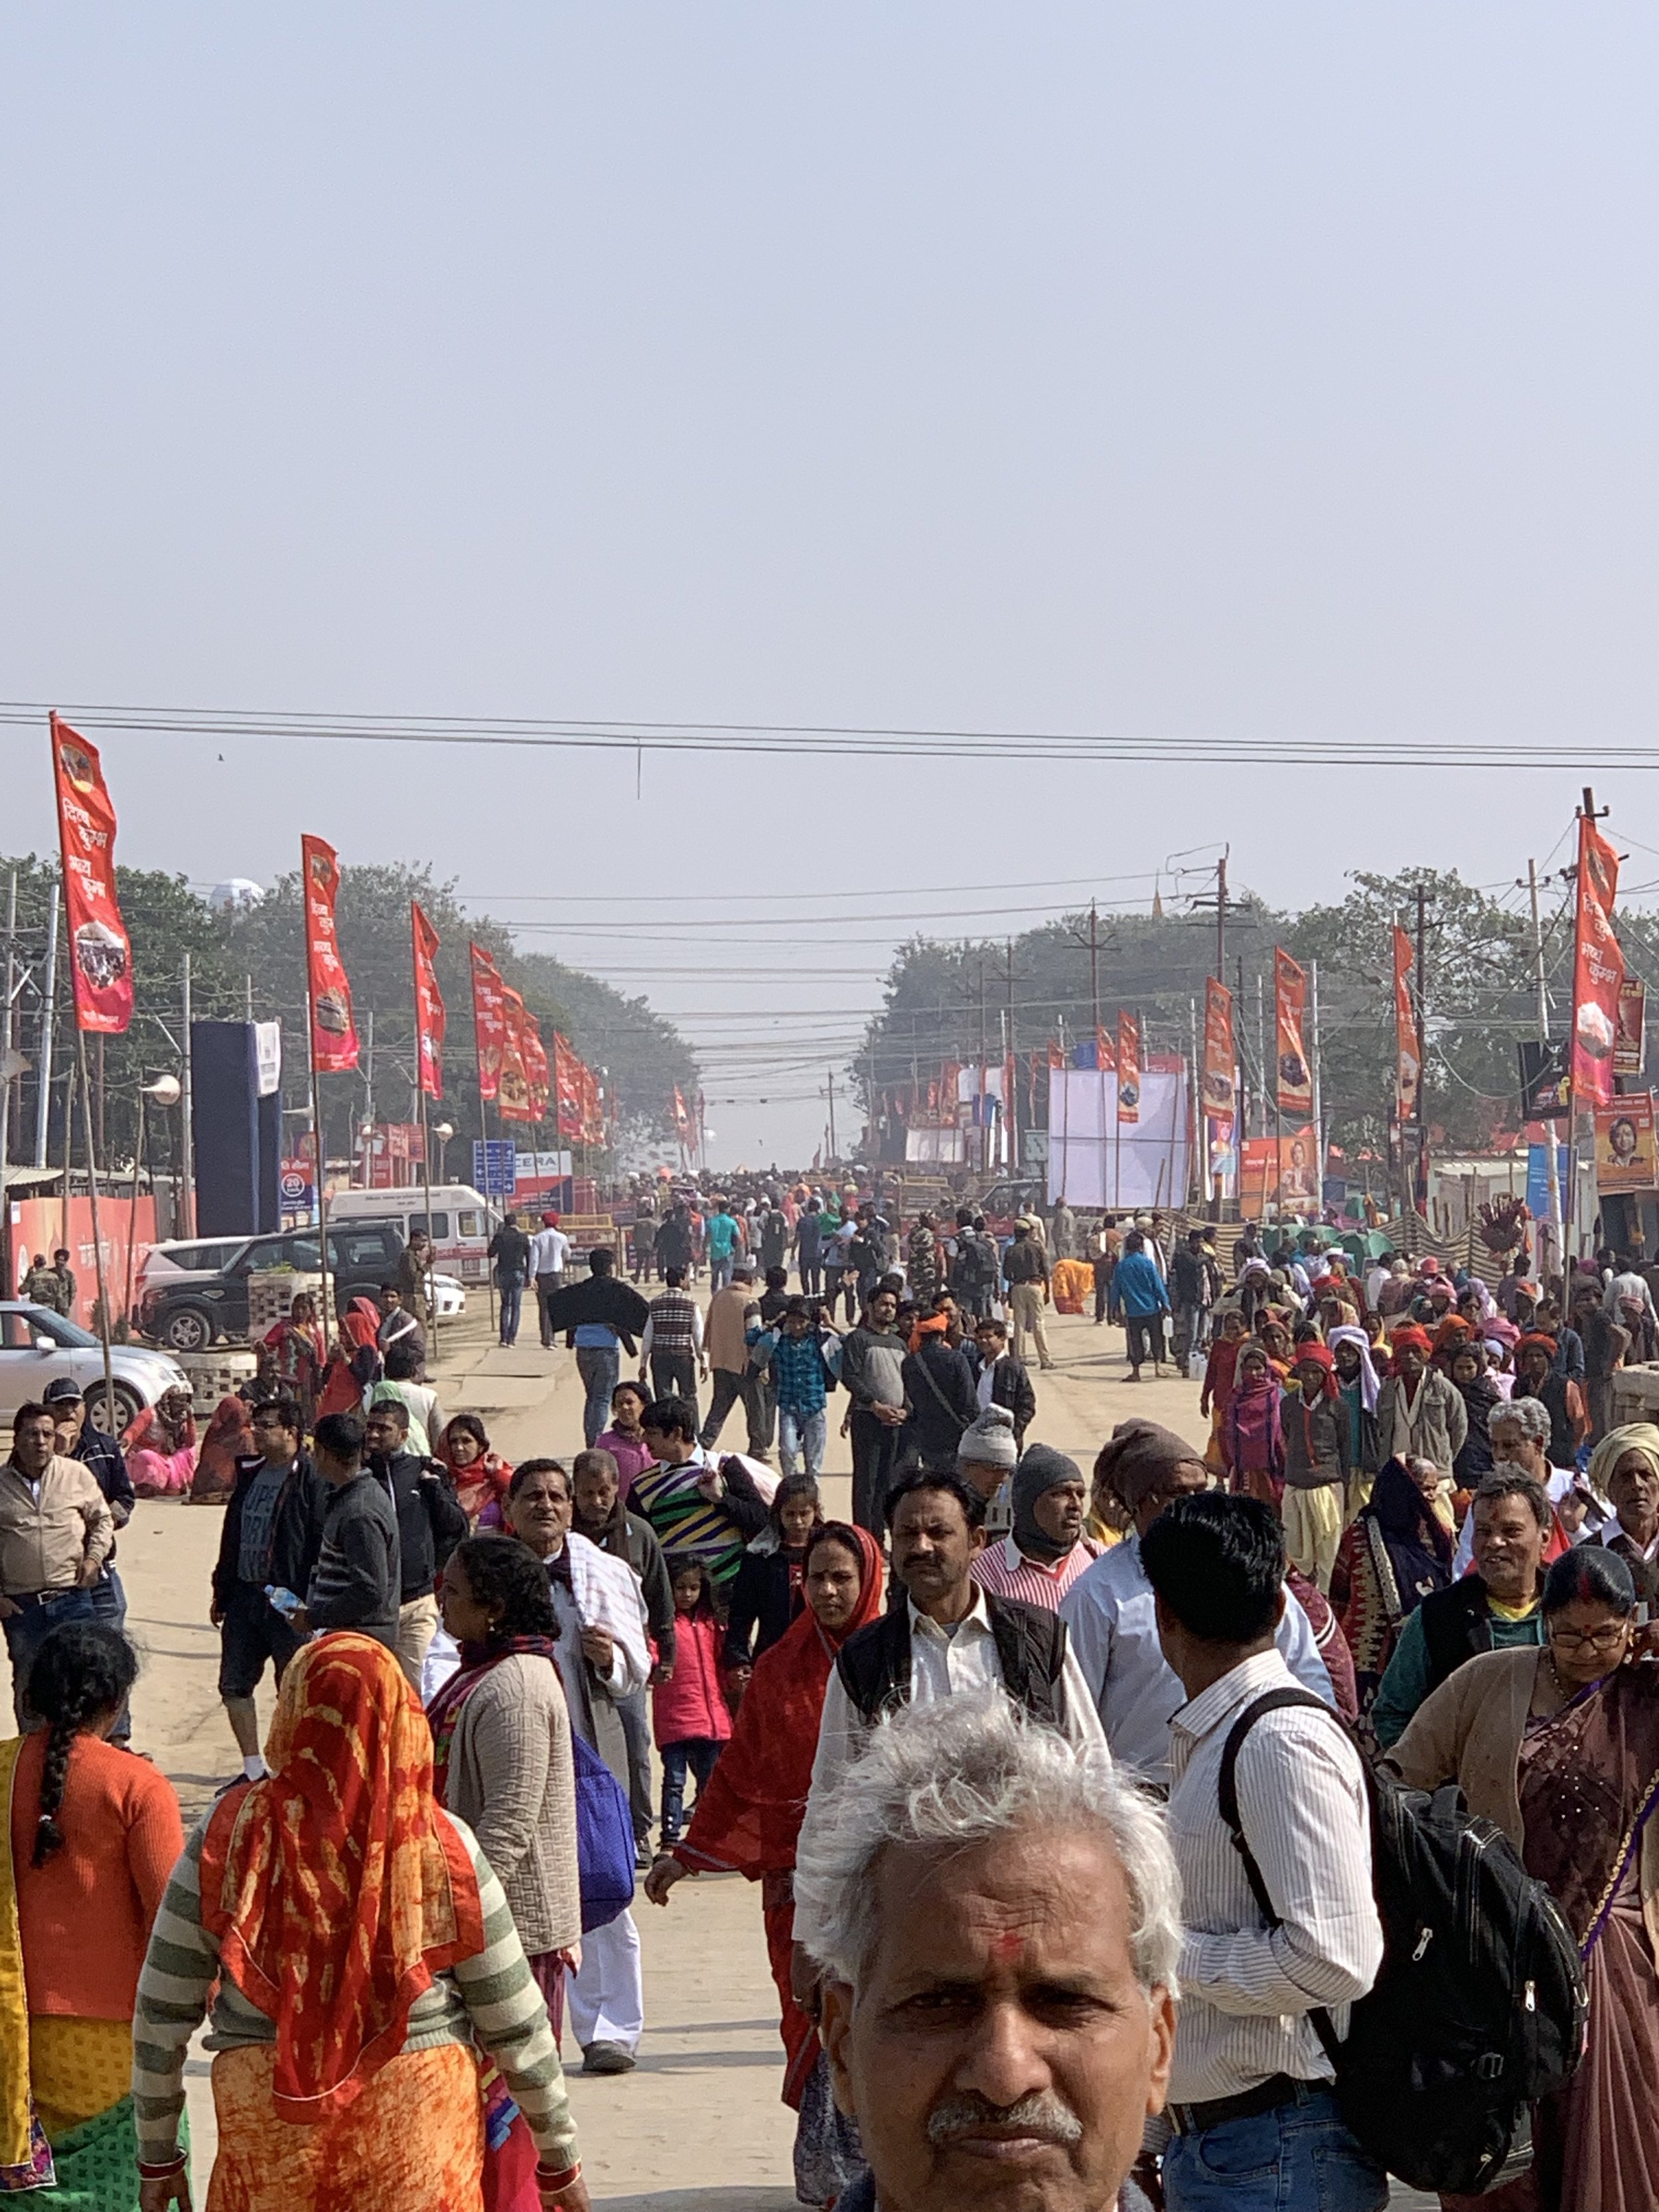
872, 1370
357, 1582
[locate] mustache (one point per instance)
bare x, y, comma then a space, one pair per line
1045, 2116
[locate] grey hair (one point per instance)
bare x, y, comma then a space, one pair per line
1530, 1415
964, 1771
1507, 1478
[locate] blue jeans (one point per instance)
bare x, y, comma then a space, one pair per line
511, 1303
802, 1432
720, 1271
1298, 2158
599, 1366
109, 1605
699, 1753
27, 1628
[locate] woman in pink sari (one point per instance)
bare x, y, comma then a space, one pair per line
159, 1447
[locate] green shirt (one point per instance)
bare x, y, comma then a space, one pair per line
1404, 1683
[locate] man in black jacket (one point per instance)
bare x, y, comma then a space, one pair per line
509, 1248
1011, 1383
949, 1637
270, 1538
430, 1524
601, 1516
939, 1390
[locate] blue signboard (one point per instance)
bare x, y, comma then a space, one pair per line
1538, 1177
494, 1167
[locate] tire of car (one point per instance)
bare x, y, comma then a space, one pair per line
128, 1406
186, 1329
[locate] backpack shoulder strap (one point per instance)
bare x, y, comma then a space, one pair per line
1272, 1701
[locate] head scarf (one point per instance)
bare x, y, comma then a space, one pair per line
1412, 1338
1254, 1440
749, 1813
1634, 1436
1316, 1355
1452, 1334
1137, 1457
935, 1325
335, 1890
1369, 1385
1536, 1339
1420, 1547
482, 1482
360, 1324
1038, 1471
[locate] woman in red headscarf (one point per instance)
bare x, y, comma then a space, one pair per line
355, 1366
1252, 1438
1315, 1431
354, 1945
749, 1814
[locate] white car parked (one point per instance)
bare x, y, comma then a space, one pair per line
37, 1346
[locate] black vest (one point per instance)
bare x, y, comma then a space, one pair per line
1456, 1626
874, 1665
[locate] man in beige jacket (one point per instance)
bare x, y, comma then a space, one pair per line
56, 1531
730, 1310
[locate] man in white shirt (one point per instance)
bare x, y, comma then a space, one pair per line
1265, 1993
1109, 1610
550, 1256
602, 1656
950, 1637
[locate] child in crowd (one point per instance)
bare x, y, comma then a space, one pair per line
689, 1711
624, 1439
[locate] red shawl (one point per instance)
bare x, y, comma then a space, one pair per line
749, 1813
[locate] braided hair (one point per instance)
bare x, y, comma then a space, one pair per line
82, 1671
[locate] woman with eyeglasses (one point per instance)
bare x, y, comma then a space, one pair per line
1559, 1745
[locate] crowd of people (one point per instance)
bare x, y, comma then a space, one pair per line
1123, 1732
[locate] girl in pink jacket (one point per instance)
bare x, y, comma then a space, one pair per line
689, 1712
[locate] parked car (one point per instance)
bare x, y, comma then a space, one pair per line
186, 1308
37, 1346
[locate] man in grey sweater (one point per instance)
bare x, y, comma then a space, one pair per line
357, 1582
873, 1369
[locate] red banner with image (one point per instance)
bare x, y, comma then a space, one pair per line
1294, 1079
513, 1092
1408, 1068
1220, 1090
430, 1018
568, 1072
535, 1067
1598, 969
100, 949
1128, 1068
489, 1021
333, 1032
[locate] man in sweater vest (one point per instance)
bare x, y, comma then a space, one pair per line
949, 1637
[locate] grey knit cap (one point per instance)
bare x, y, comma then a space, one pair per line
990, 1440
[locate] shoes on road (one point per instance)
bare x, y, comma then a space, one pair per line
644, 1858
606, 2058
1044, 1366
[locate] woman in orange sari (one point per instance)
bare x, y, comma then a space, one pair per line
357, 1950
749, 1814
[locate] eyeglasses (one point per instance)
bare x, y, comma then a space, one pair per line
1594, 1639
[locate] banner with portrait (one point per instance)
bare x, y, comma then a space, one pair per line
1625, 1158
100, 952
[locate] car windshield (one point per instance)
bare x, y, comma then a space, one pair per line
68, 1333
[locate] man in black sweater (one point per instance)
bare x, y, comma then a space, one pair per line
430, 1524
357, 1581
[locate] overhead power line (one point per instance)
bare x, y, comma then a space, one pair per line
1327, 749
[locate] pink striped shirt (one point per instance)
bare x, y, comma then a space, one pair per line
1004, 1568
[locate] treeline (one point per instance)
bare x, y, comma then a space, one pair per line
1480, 992
256, 957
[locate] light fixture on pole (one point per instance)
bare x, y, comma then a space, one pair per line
443, 1133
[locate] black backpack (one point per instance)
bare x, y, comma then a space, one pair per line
1480, 2006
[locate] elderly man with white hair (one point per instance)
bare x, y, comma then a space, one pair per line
996, 1919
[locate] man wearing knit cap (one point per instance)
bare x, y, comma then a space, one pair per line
1110, 1613
985, 1459
1045, 1551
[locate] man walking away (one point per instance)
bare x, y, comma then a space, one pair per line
1194, 1285
272, 1533
643, 1238
872, 1370
866, 1252
509, 1249
672, 1343
1139, 1294
430, 1524
56, 1532
730, 1313
357, 1582
723, 1239
1264, 1993
550, 1257
1025, 1270
809, 1251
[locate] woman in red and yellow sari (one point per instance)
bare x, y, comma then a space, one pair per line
749, 1814
359, 1956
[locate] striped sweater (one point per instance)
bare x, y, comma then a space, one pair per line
490, 1998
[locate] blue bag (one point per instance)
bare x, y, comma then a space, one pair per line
604, 1838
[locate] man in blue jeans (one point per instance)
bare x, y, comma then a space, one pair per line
56, 1530
598, 1359
1257, 2126
723, 1237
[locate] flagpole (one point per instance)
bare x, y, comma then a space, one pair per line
97, 1235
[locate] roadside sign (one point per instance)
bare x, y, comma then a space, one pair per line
494, 1167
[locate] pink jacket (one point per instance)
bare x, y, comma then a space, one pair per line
691, 1704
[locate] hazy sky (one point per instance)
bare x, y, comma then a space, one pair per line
1182, 368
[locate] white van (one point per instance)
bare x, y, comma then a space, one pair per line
463, 1221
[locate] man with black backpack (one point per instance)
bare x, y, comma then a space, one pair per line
1263, 1992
